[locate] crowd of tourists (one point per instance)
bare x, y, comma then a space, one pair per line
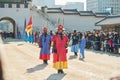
107, 42
100, 41
7, 35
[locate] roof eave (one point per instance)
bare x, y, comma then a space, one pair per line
54, 12
71, 13
107, 24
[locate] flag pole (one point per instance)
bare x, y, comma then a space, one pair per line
58, 20
63, 21
47, 24
24, 28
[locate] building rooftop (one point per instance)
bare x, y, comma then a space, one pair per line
99, 14
109, 20
70, 11
54, 10
86, 13
76, 12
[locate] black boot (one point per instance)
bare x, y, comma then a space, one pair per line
59, 71
62, 71
75, 53
45, 62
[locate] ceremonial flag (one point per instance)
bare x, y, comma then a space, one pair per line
28, 28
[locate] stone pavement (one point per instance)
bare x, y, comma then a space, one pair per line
21, 62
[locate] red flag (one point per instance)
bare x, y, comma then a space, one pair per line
29, 26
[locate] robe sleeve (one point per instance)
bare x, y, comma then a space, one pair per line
52, 41
40, 42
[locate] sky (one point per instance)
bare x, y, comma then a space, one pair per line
63, 2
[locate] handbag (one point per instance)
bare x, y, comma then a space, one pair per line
70, 42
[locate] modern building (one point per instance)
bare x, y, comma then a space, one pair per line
112, 6
48, 3
72, 5
92, 5
75, 5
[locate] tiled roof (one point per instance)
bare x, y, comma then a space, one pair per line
57, 10
70, 11
76, 12
102, 14
109, 20
86, 13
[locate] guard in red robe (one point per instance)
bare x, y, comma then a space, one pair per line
59, 44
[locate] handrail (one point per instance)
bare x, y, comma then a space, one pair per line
45, 16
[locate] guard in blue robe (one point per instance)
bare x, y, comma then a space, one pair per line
45, 42
31, 38
19, 35
82, 47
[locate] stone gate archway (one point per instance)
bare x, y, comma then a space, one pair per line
13, 23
